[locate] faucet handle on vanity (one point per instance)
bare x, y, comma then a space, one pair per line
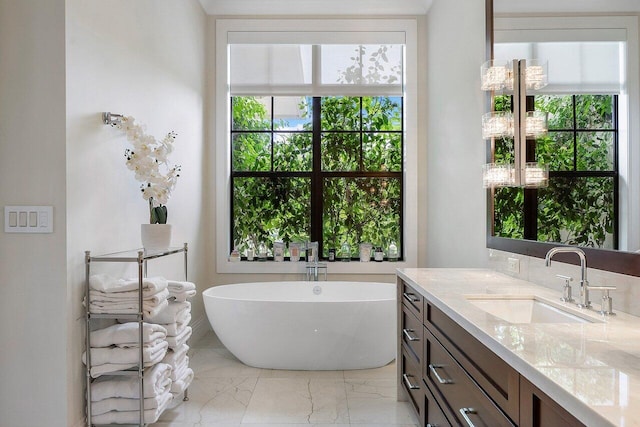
606, 308
566, 290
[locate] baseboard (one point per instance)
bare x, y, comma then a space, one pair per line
82, 422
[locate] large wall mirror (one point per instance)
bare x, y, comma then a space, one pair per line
592, 146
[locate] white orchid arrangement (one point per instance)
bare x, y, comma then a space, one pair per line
145, 159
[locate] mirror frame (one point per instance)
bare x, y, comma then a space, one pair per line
602, 259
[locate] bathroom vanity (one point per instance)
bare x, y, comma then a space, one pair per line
470, 354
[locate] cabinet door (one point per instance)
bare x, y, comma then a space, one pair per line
539, 410
413, 300
412, 382
411, 332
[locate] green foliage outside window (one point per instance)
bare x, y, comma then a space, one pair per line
577, 207
360, 175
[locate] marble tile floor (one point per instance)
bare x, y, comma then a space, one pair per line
227, 393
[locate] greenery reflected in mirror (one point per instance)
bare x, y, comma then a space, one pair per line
606, 222
578, 206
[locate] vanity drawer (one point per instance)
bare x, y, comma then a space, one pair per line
467, 402
433, 414
413, 300
496, 378
412, 333
412, 382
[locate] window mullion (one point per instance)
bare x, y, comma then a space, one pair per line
316, 174
273, 138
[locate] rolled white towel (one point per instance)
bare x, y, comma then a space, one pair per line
127, 334
174, 329
106, 283
177, 286
157, 380
174, 355
182, 296
178, 371
171, 313
179, 386
133, 417
177, 341
151, 353
126, 404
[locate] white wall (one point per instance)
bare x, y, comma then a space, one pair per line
33, 285
455, 205
145, 59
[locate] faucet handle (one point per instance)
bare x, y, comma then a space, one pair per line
566, 290
606, 308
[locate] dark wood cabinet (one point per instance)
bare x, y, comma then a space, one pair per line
433, 415
539, 410
496, 378
466, 401
452, 379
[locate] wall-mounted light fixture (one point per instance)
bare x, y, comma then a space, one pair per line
515, 77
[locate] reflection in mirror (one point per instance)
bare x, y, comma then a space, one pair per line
593, 197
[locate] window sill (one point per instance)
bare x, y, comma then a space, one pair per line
288, 267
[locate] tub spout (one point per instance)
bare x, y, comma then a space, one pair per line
313, 269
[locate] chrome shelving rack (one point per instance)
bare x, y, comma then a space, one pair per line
141, 257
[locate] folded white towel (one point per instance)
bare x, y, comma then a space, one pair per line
149, 310
133, 417
97, 296
182, 296
179, 386
178, 371
157, 380
171, 313
178, 340
175, 355
177, 286
119, 359
153, 353
106, 283
127, 334
126, 404
174, 329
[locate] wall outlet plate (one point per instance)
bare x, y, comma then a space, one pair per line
28, 219
513, 265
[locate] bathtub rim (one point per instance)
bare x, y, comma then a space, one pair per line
392, 296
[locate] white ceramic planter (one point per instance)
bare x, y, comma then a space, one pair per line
156, 236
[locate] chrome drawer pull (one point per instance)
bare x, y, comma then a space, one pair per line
431, 425
407, 333
441, 380
411, 297
408, 383
465, 414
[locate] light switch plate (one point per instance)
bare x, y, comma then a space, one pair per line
28, 219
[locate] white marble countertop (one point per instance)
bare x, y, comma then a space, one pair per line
590, 369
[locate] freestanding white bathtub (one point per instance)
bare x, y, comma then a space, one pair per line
306, 325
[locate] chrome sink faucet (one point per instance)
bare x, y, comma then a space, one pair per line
584, 283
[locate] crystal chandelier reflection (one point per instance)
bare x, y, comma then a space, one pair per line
517, 76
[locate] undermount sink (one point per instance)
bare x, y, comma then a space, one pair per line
526, 309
